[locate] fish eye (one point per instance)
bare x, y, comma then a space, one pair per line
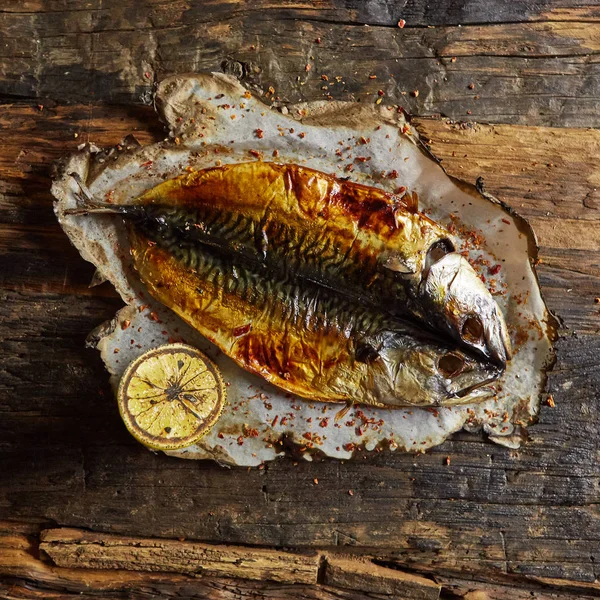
472, 329
437, 251
450, 365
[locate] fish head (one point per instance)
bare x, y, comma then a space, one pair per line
427, 373
458, 301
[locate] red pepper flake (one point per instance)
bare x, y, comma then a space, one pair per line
372, 76
125, 324
143, 307
275, 153
349, 168
401, 23
318, 41
550, 401
453, 59
350, 492
250, 431
324, 422
316, 481
471, 86
247, 95
116, 350
349, 447
324, 78
220, 436
381, 93
255, 153
302, 135
259, 133
506, 221
393, 174
307, 435
40, 107
153, 316
308, 67
363, 140
274, 422
284, 420
494, 270
146, 164
240, 441
447, 460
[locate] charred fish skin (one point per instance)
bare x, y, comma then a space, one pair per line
301, 337
344, 236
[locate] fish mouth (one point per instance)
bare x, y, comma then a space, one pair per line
467, 376
475, 387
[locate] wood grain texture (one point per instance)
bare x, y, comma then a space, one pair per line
74, 548
368, 577
527, 63
26, 571
502, 523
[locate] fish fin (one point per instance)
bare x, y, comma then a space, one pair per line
411, 201
87, 203
343, 411
96, 209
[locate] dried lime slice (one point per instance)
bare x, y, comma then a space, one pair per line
169, 397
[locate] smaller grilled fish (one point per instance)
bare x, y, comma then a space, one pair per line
305, 339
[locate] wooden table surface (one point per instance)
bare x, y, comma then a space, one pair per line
508, 90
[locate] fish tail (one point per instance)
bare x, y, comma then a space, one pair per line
87, 204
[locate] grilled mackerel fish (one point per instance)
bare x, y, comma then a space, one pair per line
349, 237
302, 279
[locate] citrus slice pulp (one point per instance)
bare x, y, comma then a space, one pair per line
169, 397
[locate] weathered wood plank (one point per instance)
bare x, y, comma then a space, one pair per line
23, 574
544, 72
504, 517
72, 548
368, 577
